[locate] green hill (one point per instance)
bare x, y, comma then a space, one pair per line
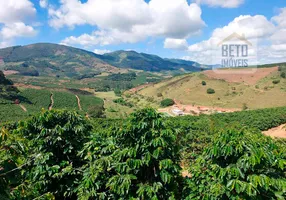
147, 62
45, 59
52, 60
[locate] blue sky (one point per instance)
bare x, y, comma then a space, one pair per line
168, 28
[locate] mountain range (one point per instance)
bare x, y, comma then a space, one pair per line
46, 59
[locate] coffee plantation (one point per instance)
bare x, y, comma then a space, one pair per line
61, 154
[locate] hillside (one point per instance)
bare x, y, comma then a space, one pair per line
262, 89
52, 60
45, 59
147, 62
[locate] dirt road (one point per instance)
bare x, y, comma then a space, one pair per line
78, 102
52, 102
277, 132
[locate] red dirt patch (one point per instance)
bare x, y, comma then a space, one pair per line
10, 72
140, 87
249, 76
277, 132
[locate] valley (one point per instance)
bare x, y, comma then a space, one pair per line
122, 120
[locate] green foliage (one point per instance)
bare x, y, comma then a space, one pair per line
276, 81
239, 164
283, 75
122, 102
12, 156
138, 160
167, 102
7, 91
55, 138
117, 92
147, 62
159, 95
210, 91
204, 83
96, 111
56, 155
122, 77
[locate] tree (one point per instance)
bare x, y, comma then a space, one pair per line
239, 164
138, 160
96, 111
283, 75
276, 81
167, 102
210, 91
117, 92
159, 94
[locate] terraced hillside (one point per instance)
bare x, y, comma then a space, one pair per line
36, 100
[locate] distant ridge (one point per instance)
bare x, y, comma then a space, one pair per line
46, 59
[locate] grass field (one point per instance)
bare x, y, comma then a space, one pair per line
113, 110
188, 89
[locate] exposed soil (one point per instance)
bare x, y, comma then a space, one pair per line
52, 102
78, 102
249, 76
140, 87
10, 72
277, 132
23, 107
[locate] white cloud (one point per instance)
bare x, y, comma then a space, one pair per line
221, 3
101, 51
128, 21
180, 44
43, 3
16, 10
254, 28
17, 29
13, 15
120, 14
280, 19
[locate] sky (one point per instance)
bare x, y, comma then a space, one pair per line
185, 29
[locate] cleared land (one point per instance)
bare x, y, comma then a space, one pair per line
249, 76
248, 92
277, 132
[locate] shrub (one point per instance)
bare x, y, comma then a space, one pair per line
96, 111
283, 75
117, 92
210, 91
122, 102
167, 102
276, 81
244, 106
239, 164
159, 94
204, 83
56, 137
136, 160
